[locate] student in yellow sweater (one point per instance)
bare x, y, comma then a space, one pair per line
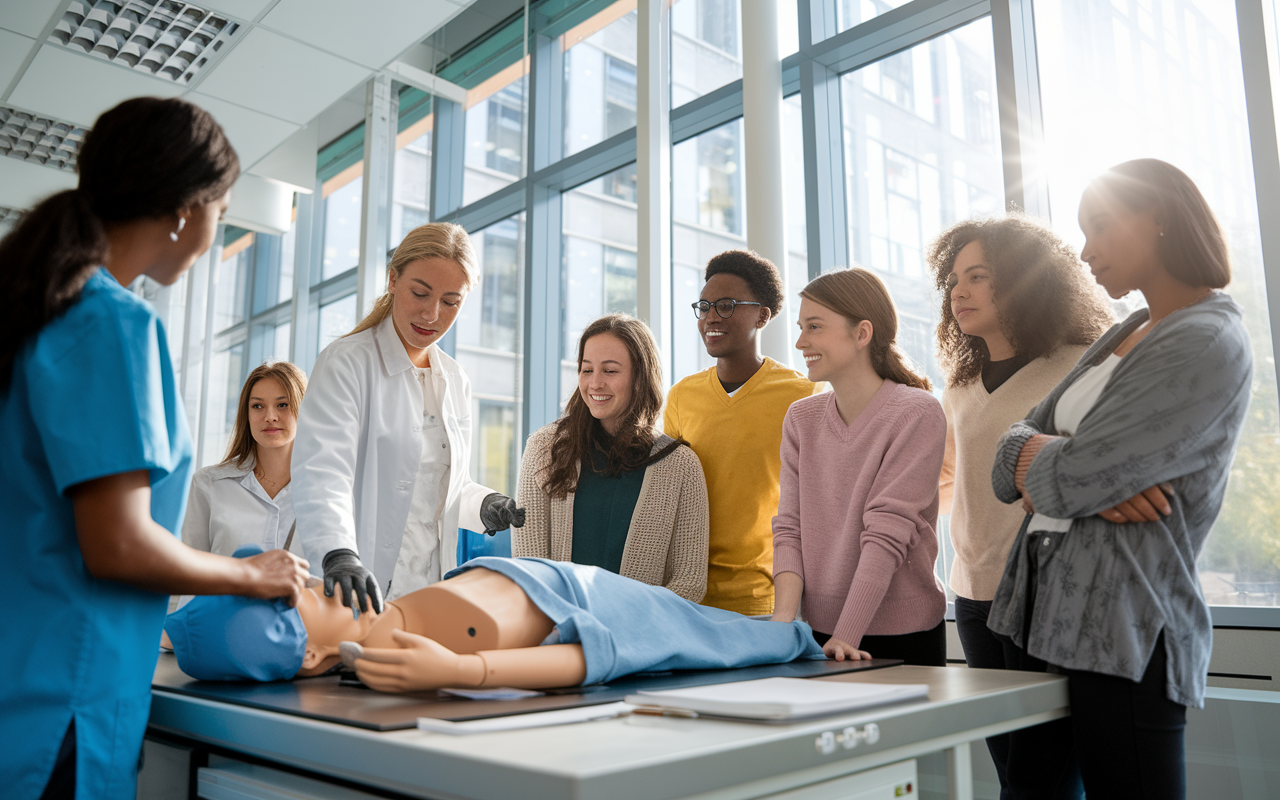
731, 415
1018, 311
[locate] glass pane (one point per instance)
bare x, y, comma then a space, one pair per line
793, 188
706, 44
495, 135
599, 259
599, 77
854, 12
488, 348
342, 229
708, 217
337, 318
232, 284
705, 37
1164, 80
922, 151
412, 206
284, 288
225, 369
280, 343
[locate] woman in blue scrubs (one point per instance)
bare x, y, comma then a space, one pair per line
97, 461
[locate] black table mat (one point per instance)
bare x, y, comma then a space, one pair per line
324, 699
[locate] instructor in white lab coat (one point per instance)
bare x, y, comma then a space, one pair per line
381, 462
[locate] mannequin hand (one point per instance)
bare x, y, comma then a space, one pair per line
1146, 506
418, 664
275, 573
834, 648
498, 512
343, 568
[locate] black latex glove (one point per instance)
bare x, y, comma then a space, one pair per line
343, 568
498, 512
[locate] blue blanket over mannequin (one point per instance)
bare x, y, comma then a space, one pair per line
625, 626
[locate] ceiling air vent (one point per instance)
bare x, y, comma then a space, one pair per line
167, 39
42, 141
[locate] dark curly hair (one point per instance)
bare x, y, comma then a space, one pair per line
762, 277
1044, 298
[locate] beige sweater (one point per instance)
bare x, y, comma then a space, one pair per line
983, 528
667, 541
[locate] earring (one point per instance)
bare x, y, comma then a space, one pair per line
1162, 233
182, 221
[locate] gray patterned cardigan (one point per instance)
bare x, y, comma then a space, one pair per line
1171, 411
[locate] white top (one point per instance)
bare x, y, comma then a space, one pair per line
419, 561
1074, 403
359, 447
228, 508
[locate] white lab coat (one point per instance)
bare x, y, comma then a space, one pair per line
359, 446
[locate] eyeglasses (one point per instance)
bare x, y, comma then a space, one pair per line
724, 307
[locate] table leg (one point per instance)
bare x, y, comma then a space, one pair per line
959, 773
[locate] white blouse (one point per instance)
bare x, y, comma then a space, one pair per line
1076, 401
228, 508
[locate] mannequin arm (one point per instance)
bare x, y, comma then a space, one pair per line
421, 664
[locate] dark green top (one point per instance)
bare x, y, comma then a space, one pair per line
602, 509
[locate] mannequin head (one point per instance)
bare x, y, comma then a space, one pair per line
328, 622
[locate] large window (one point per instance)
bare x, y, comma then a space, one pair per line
1163, 79
599, 77
599, 245
412, 181
921, 153
488, 348
342, 204
495, 134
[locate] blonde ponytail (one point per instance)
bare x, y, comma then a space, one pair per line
433, 240
857, 294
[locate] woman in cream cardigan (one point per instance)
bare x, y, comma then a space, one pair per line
602, 486
1018, 311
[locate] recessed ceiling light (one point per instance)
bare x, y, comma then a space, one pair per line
28, 137
164, 38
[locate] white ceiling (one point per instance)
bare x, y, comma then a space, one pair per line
289, 61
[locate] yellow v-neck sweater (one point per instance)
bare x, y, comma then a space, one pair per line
738, 440
983, 528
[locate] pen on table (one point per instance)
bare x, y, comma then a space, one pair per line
659, 711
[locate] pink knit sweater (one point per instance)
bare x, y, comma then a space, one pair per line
857, 512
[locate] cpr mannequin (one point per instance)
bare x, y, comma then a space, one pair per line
476, 629
523, 623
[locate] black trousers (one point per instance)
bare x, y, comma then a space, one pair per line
924, 648
982, 650
1125, 739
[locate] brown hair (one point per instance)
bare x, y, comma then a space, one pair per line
146, 158
1193, 248
1044, 297
242, 446
433, 240
578, 434
858, 295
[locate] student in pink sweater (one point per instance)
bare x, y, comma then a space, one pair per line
854, 536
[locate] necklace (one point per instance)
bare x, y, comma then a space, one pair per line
1204, 295
262, 476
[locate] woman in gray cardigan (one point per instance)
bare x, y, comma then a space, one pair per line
1123, 468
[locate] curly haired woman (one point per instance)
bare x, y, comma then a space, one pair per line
1018, 311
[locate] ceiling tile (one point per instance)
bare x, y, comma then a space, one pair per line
372, 34
77, 88
13, 51
247, 10
23, 184
252, 134
278, 76
27, 17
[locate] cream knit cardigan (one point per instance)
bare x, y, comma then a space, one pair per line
982, 527
667, 541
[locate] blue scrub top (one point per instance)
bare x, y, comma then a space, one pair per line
91, 395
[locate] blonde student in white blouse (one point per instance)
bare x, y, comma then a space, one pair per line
246, 498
